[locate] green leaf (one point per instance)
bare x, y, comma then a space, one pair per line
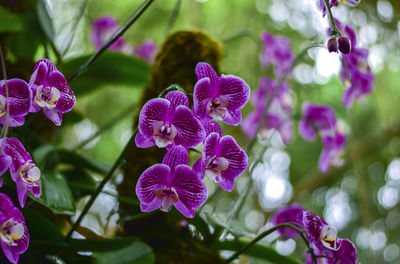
257, 251
45, 20
110, 68
56, 194
48, 156
136, 253
10, 22
36, 223
101, 245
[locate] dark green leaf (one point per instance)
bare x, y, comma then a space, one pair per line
45, 20
9, 22
110, 68
136, 253
36, 223
257, 251
56, 194
79, 161
100, 245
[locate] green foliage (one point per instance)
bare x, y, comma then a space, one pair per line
111, 68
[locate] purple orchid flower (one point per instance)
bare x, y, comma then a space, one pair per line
222, 161
289, 214
356, 70
13, 231
220, 98
18, 102
50, 91
171, 183
322, 237
273, 121
333, 148
278, 117
316, 118
167, 122
22, 169
146, 51
333, 3
102, 29
347, 253
277, 51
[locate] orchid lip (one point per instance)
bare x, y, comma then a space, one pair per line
217, 107
164, 134
47, 96
214, 168
10, 231
3, 105
30, 174
329, 237
168, 196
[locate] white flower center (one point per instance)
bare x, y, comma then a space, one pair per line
30, 174
214, 168
47, 96
217, 107
168, 196
328, 237
10, 231
164, 134
2, 105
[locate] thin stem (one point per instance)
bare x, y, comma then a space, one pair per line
100, 187
173, 17
136, 14
4, 131
330, 15
261, 236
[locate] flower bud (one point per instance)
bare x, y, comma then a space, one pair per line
344, 45
332, 45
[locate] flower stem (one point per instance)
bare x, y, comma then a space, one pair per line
132, 19
261, 236
330, 15
118, 162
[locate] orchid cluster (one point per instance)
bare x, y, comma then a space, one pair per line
104, 27
47, 90
169, 122
273, 96
320, 119
322, 238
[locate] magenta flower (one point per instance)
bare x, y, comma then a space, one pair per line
51, 91
13, 231
146, 51
333, 148
356, 70
102, 29
322, 237
171, 183
289, 214
347, 253
18, 101
278, 116
277, 51
220, 98
211, 126
222, 161
22, 169
167, 122
316, 118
